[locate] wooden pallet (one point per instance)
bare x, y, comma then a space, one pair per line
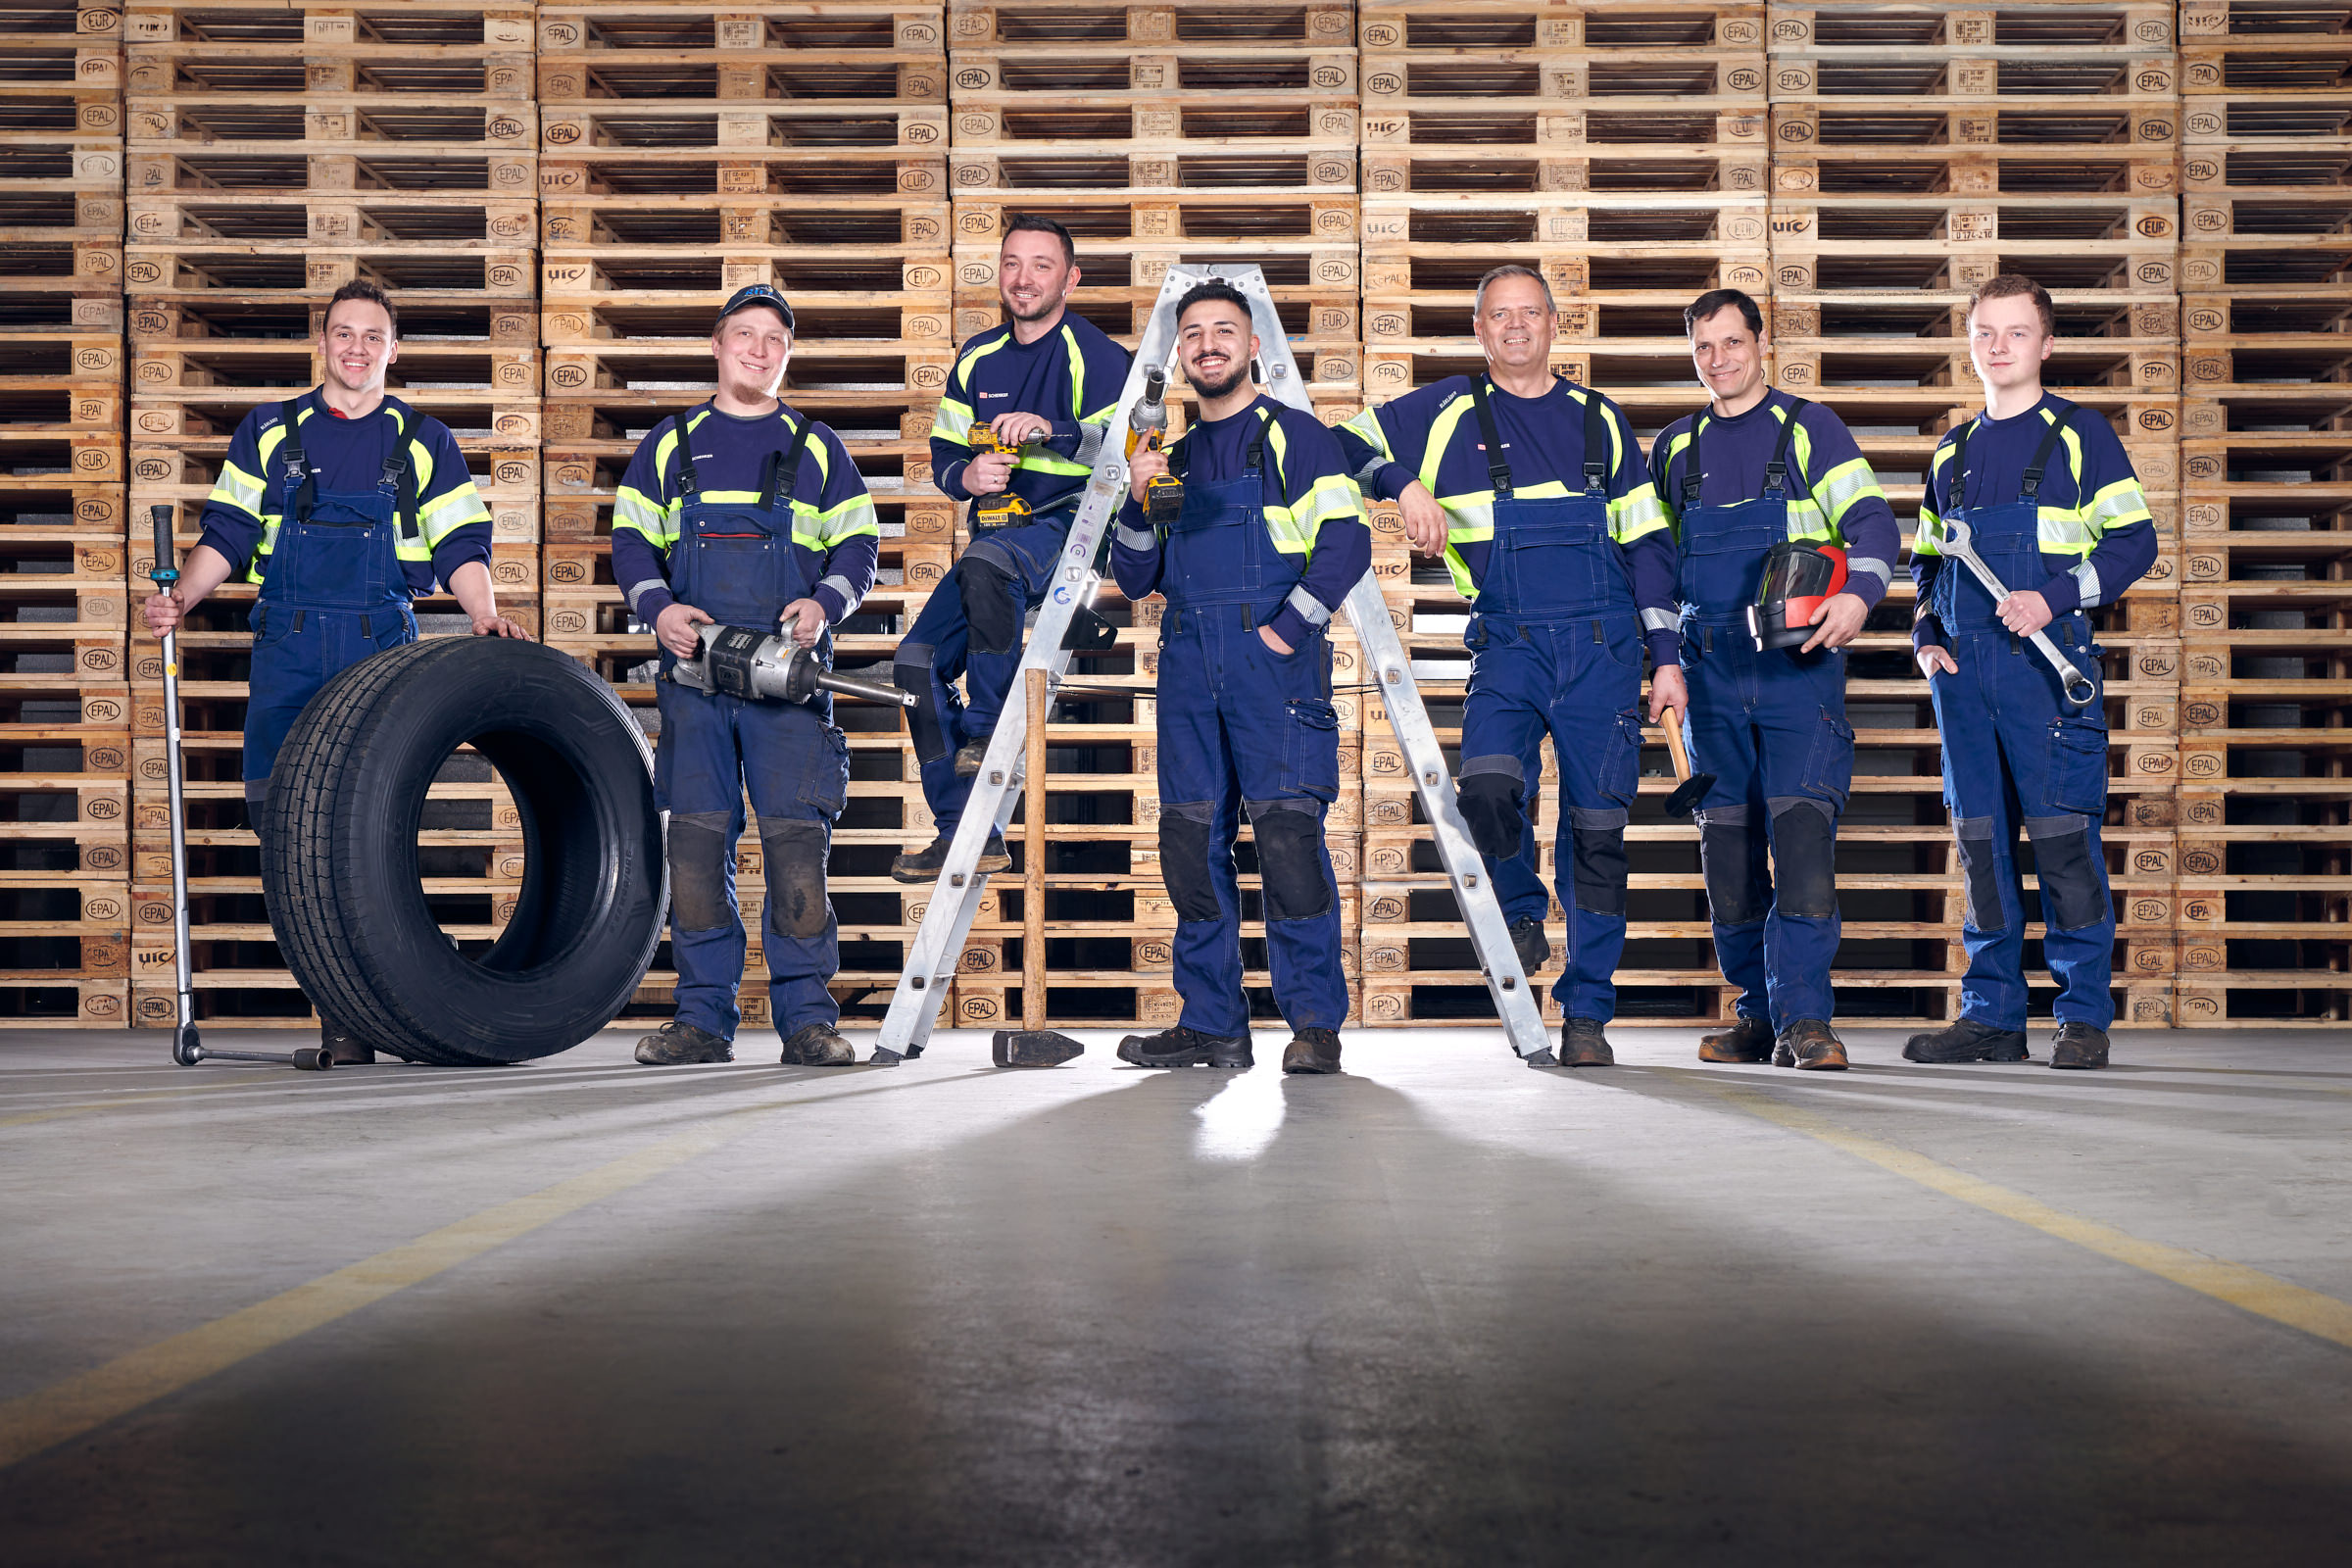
368, 221
1185, 24
840, 49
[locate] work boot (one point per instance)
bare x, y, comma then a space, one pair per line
1810, 1045
1531, 943
1583, 1044
818, 1046
924, 865
970, 754
1312, 1050
1180, 1046
1748, 1039
1967, 1040
675, 1045
345, 1049
2076, 1045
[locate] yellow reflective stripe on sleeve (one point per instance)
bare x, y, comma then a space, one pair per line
237, 489
1635, 515
813, 529
1459, 570
1044, 460
445, 515
1366, 424
2118, 506
1441, 436
953, 422
1069, 343
633, 510
1469, 518
2062, 532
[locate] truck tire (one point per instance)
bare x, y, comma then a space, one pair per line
340, 871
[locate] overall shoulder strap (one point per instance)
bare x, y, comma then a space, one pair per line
1694, 471
1499, 470
399, 474
297, 461
688, 485
1776, 473
1253, 461
1955, 496
2030, 486
780, 474
1596, 445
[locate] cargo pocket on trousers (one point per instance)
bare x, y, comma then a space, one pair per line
1619, 776
2076, 781
1830, 766
827, 784
1310, 756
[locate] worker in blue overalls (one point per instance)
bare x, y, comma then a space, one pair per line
1755, 472
2053, 507
745, 512
344, 504
1016, 436
1268, 541
1533, 488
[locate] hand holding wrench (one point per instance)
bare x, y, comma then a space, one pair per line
1958, 544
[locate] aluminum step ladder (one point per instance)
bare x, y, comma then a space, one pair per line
955, 901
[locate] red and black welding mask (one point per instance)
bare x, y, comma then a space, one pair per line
1798, 578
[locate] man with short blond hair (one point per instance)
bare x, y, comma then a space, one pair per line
2052, 506
344, 504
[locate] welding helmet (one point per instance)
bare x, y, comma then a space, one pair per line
1798, 577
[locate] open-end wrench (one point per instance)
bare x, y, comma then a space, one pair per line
1959, 545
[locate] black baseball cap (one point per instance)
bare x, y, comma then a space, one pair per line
756, 294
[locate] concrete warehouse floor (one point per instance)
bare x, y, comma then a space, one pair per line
1441, 1309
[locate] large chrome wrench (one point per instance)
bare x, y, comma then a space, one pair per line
1959, 545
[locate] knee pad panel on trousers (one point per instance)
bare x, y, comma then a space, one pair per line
1727, 859
794, 861
1184, 864
1490, 804
701, 898
990, 606
1804, 858
1981, 872
1598, 836
2073, 891
1290, 860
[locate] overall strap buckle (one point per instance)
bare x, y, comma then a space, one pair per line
780, 473
1694, 469
2030, 487
690, 485
298, 462
1596, 446
400, 477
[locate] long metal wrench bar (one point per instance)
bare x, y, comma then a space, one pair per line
1959, 544
956, 899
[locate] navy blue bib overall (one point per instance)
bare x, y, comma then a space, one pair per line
332, 591
1557, 650
1242, 726
736, 562
1771, 726
2016, 756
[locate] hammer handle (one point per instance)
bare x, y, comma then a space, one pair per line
1673, 726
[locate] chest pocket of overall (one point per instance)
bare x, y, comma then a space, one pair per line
1723, 547
1552, 556
1219, 549
2006, 536
737, 564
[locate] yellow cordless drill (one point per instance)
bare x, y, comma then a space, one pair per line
1004, 508
1147, 430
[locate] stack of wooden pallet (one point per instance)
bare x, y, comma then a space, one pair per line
1619, 150
65, 702
2266, 684
687, 151
1918, 150
1158, 133
276, 152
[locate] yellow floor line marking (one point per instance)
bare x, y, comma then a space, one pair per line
63, 1411
2249, 1290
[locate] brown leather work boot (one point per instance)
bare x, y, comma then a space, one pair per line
1583, 1044
1810, 1045
1748, 1039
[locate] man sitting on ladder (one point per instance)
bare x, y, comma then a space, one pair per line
1016, 436
1535, 490
1266, 542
